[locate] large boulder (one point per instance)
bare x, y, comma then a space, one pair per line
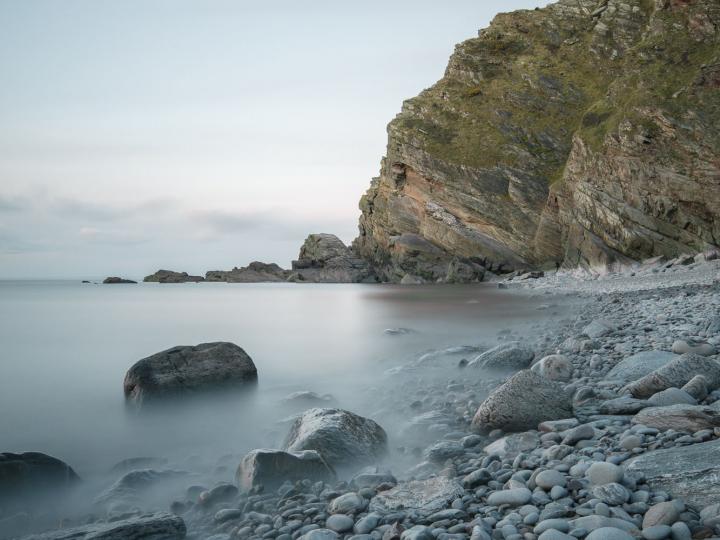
676, 373
271, 468
325, 259
424, 496
522, 402
691, 473
680, 417
26, 476
510, 356
342, 438
160, 526
188, 370
168, 276
639, 364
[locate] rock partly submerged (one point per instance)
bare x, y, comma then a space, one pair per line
271, 468
255, 272
159, 526
342, 438
507, 357
169, 276
114, 280
324, 258
188, 370
32, 475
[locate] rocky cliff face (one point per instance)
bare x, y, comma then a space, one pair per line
585, 132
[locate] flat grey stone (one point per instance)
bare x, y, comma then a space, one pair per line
690, 473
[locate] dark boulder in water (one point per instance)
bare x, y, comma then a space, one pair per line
30, 476
188, 370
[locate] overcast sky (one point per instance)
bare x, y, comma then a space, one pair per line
201, 134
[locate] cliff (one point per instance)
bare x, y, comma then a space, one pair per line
585, 132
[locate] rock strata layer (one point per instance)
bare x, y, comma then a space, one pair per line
582, 133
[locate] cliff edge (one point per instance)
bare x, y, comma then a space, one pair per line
586, 133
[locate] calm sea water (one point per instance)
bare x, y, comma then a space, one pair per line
66, 347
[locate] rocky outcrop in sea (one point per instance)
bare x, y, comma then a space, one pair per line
323, 258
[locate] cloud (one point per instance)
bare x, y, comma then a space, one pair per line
223, 222
12, 204
111, 236
93, 211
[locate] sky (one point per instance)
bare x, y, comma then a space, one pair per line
201, 134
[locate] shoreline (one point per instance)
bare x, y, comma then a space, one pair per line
495, 481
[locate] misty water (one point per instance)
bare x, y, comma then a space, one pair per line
67, 346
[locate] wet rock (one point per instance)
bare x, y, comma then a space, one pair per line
339, 436
117, 281
612, 494
510, 356
512, 445
609, 533
592, 523
671, 396
427, 496
556, 367
664, 513
511, 497
638, 365
676, 373
305, 399
168, 276
271, 468
701, 349
30, 476
255, 272
687, 418
349, 503
602, 472
320, 534
444, 450
188, 370
521, 403
623, 405
324, 258
339, 523
134, 488
580, 433
697, 387
599, 328
372, 477
690, 472
160, 526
